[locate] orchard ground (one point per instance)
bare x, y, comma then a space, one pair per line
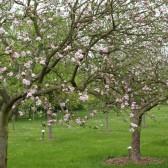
88, 147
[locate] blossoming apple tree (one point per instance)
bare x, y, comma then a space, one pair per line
59, 45
36, 38
129, 66
143, 86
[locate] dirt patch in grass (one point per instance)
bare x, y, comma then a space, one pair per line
125, 160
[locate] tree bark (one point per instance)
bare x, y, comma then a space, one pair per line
3, 139
106, 122
136, 135
144, 120
13, 122
50, 132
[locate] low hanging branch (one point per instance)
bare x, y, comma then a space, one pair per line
5, 95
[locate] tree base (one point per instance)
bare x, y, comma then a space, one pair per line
126, 160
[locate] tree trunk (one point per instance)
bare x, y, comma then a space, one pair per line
136, 138
106, 122
13, 122
3, 139
144, 120
30, 114
49, 132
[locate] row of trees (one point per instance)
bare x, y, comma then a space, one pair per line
112, 49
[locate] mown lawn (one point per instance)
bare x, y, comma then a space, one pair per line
87, 147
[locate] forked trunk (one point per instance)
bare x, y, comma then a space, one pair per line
136, 135
3, 140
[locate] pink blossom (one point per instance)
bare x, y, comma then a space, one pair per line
49, 112
159, 39
28, 64
167, 82
71, 89
146, 88
44, 21
28, 52
134, 125
29, 22
73, 59
86, 118
105, 49
126, 97
79, 55
18, 76
26, 82
70, 1
107, 17
126, 103
3, 69
10, 74
92, 114
47, 84
52, 121
2, 30
161, 9
23, 73
49, 124
67, 48
94, 111
8, 51
66, 117
54, 115
62, 104
134, 106
123, 106
84, 97
21, 113
60, 55
118, 100
19, 37
50, 19
83, 121
33, 75
30, 94
42, 62
78, 121
38, 38
16, 22
26, 39
53, 47
131, 115
132, 130
23, 53
68, 126
38, 102
15, 55
107, 86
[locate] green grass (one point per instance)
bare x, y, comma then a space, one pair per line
79, 147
